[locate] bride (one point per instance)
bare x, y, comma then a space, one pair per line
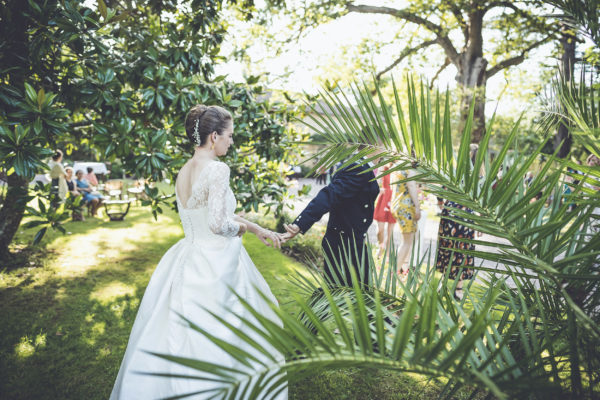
200, 273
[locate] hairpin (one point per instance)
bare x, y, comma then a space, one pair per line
196, 133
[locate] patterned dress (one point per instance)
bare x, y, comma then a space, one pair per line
382, 211
403, 208
445, 245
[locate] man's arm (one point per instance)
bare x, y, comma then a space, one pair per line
344, 185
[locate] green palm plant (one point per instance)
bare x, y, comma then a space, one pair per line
577, 103
430, 335
529, 330
582, 15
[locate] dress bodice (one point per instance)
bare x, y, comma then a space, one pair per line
209, 211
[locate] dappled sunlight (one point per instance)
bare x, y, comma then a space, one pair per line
110, 292
102, 247
98, 329
27, 346
119, 308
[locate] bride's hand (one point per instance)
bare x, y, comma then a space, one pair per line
265, 235
242, 230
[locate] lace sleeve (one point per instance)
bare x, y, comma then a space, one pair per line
219, 222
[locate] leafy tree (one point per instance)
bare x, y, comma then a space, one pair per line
120, 79
479, 38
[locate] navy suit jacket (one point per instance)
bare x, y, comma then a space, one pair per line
350, 201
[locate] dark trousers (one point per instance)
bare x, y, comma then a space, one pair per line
341, 254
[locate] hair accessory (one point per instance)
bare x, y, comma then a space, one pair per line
196, 133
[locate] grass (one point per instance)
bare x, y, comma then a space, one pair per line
66, 314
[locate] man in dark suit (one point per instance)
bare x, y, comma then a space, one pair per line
350, 201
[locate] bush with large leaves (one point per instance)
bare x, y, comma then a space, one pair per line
119, 79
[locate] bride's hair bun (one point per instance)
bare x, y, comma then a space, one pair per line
203, 120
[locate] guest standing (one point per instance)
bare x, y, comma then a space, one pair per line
383, 215
407, 211
58, 176
447, 257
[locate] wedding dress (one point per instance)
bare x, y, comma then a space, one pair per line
198, 273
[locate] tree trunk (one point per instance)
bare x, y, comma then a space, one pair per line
472, 78
17, 57
563, 139
12, 211
472, 81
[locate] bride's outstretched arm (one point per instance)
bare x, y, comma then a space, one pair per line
263, 234
220, 221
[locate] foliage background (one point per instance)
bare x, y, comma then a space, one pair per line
117, 81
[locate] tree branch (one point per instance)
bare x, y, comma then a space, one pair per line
516, 60
441, 34
405, 53
461, 20
524, 14
439, 71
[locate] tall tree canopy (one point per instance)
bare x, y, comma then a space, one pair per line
120, 78
480, 38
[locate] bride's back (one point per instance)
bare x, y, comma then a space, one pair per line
186, 178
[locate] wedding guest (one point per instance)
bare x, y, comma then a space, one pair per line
593, 161
383, 215
449, 229
91, 177
57, 175
71, 186
407, 211
89, 196
72, 190
322, 176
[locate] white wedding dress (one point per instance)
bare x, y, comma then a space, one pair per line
200, 272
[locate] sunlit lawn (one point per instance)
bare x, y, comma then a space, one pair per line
66, 316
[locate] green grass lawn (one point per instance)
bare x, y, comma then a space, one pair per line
66, 315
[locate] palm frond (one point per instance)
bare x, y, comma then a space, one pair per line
431, 335
528, 327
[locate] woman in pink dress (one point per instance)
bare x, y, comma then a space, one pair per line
382, 213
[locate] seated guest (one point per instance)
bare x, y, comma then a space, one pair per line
89, 196
72, 189
91, 177
71, 186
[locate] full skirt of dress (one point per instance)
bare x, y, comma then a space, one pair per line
191, 278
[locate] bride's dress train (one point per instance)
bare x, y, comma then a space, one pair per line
200, 272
